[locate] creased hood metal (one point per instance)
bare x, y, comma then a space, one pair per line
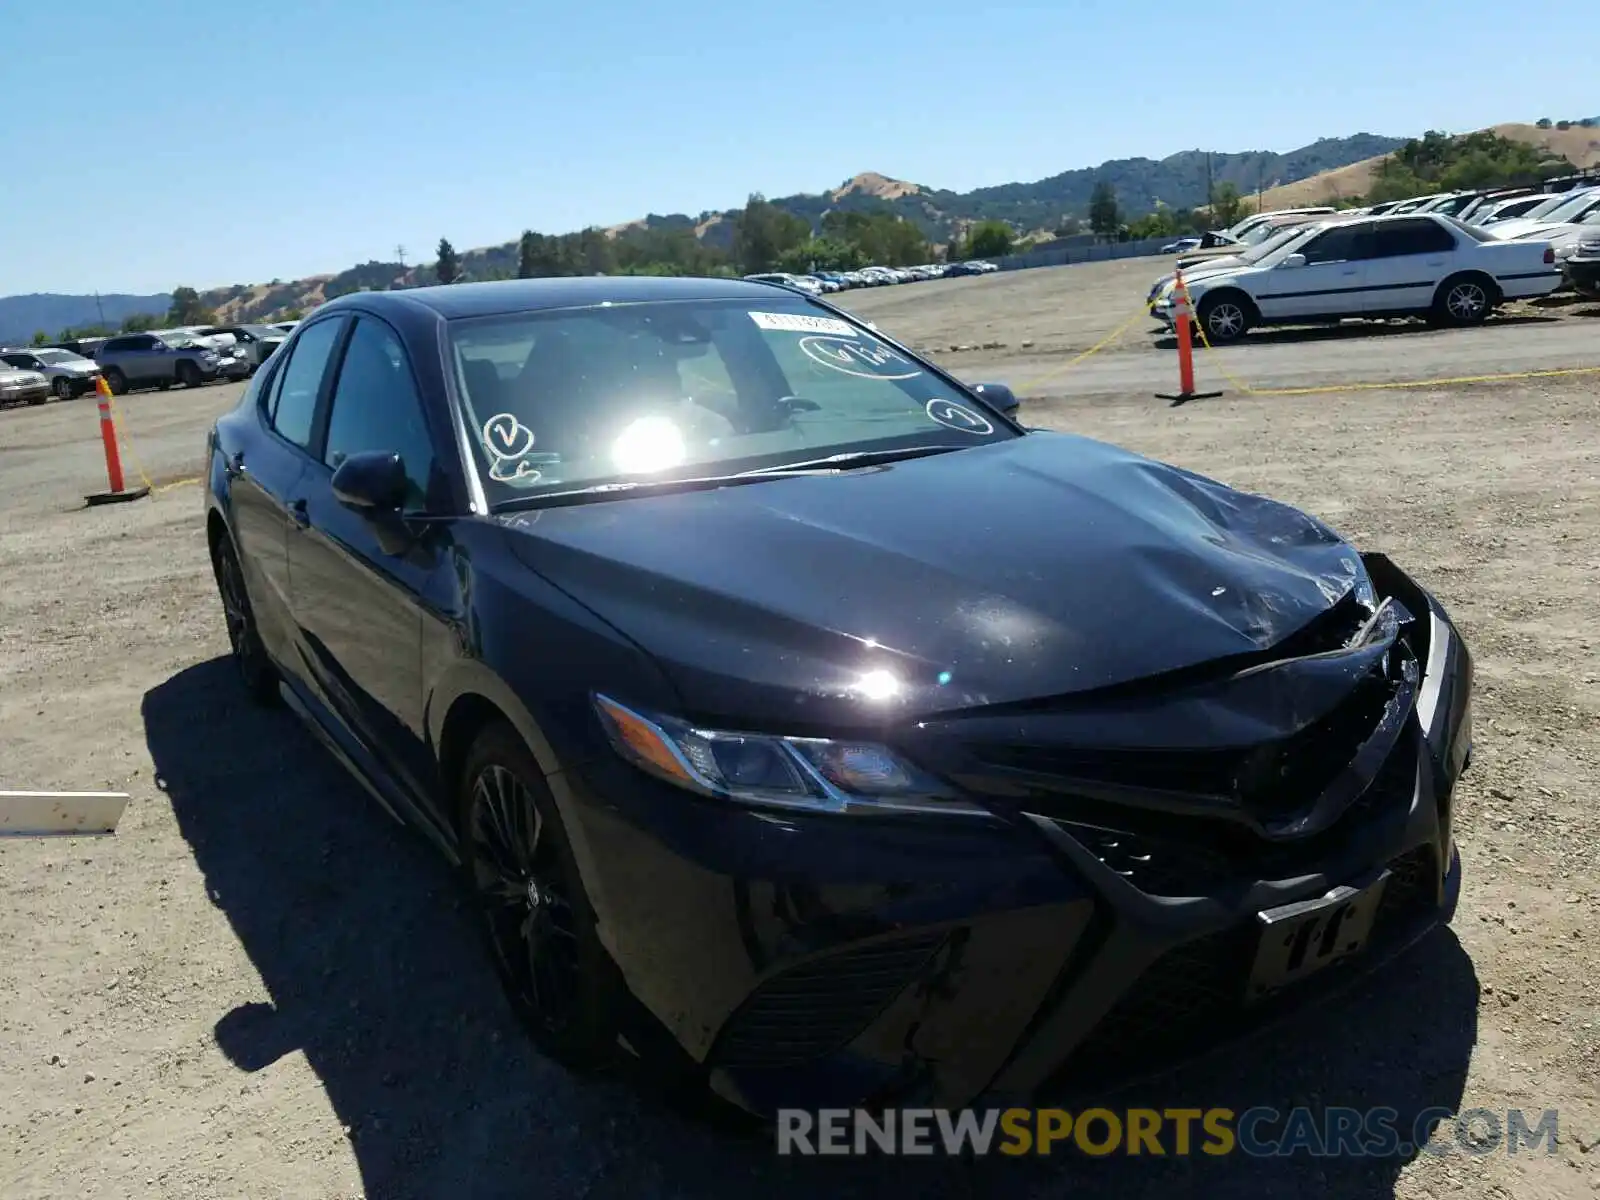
1042, 566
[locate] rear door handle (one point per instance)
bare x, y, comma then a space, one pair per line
298, 514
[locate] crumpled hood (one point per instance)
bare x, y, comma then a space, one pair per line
1040, 566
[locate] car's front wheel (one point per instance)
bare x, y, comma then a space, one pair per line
244, 639
62, 387
116, 381
189, 375
530, 898
1224, 317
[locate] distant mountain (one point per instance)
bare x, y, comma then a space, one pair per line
22, 316
1178, 181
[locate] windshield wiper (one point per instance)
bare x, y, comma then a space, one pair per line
821, 466
850, 458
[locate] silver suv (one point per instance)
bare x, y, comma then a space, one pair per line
136, 360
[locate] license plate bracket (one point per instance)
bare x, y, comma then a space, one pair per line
1300, 939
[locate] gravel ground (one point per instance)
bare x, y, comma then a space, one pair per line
262, 987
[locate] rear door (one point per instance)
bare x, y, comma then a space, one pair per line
1331, 283
1410, 258
263, 476
362, 582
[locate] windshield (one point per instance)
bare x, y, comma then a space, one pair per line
572, 398
262, 331
58, 358
181, 341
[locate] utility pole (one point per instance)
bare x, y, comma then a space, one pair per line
400, 253
1211, 187
100, 308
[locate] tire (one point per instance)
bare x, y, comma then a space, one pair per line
61, 386
1463, 301
189, 375
533, 909
1225, 317
256, 672
116, 381
164, 386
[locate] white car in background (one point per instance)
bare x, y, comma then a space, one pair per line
1387, 266
1566, 208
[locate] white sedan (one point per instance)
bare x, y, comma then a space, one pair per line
1389, 266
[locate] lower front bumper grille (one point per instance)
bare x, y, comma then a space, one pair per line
815, 1008
1196, 991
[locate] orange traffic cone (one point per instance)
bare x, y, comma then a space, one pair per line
1182, 319
108, 437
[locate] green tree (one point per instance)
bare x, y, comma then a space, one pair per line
448, 268
954, 251
294, 314
1227, 206
1104, 214
763, 233
528, 255
140, 322
188, 309
990, 239
40, 338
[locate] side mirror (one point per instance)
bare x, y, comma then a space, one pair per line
1294, 260
372, 481
999, 395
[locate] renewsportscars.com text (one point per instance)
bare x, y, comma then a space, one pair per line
1256, 1132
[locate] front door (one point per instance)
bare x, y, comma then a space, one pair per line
361, 581
1331, 283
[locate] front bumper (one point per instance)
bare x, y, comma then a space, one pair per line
1583, 273
832, 962
32, 393
235, 368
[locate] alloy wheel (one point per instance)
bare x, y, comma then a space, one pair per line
249, 655
517, 874
1466, 301
1225, 321
62, 388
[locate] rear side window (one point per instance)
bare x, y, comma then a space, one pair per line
293, 405
376, 407
1394, 239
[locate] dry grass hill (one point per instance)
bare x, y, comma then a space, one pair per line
1580, 146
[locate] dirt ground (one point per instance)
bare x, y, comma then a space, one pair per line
262, 987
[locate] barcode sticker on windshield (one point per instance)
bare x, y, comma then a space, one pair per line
795, 323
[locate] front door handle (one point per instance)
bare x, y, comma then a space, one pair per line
235, 464
298, 514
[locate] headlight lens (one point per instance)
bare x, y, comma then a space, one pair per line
813, 774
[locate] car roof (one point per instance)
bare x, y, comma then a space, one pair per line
457, 300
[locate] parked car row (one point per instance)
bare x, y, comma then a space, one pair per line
48, 371
1344, 266
819, 283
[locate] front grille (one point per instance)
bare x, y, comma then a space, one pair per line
1194, 994
813, 1009
1176, 856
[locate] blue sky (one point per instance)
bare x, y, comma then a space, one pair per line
155, 144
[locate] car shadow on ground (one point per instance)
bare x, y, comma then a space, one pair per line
376, 976
1297, 335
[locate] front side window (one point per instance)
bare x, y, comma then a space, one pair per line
1346, 243
294, 403
376, 407
576, 397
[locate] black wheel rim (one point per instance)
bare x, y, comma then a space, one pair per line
236, 611
519, 883
61, 388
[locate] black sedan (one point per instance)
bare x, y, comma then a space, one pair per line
803, 725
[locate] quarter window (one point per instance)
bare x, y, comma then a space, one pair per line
294, 403
376, 407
